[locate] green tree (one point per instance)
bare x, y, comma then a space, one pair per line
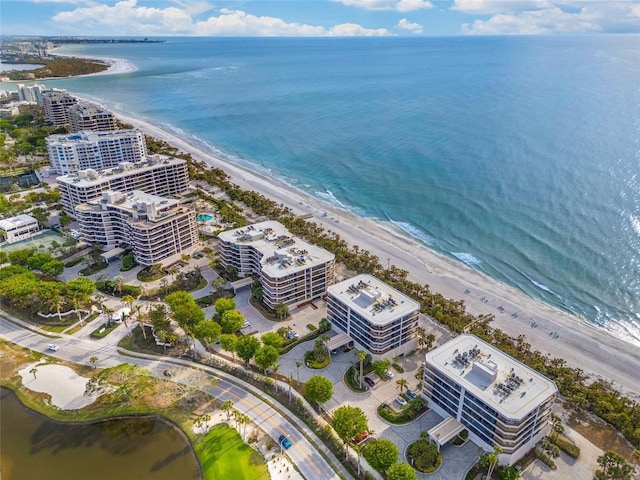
267, 356
282, 310
299, 363
38, 259
381, 367
93, 361
318, 389
231, 321
381, 454
273, 339
402, 384
256, 290
4, 258
185, 311
509, 473
348, 422
21, 257
53, 268
614, 466
224, 304
41, 215
362, 356
227, 406
228, 342
246, 347
79, 289
207, 331
490, 460
401, 471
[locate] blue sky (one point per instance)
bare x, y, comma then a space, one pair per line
317, 17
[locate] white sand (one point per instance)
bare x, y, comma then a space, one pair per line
64, 385
582, 345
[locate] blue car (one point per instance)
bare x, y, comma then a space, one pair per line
284, 441
411, 394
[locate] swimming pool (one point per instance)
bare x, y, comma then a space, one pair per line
204, 217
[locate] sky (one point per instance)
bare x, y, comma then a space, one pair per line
161, 18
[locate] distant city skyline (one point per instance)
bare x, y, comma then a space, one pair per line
318, 17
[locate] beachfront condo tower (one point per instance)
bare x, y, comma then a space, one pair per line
497, 399
87, 116
290, 270
377, 317
56, 105
158, 175
157, 229
96, 150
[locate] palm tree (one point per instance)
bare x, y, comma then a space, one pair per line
128, 300
227, 406
163, 336
34, 370
109, 311
282, 310
93, 361
141, 321
362, 356
298, 365
402, 384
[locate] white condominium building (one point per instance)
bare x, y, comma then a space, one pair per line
290, 270
18, 228
87, 116
379, 318
158, 175
157, 229
31, 93
499, 400
96, 150
56, 104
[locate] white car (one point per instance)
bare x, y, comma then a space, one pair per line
53, 347
389, 374
401, 401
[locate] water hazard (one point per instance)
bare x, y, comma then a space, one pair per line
34, 446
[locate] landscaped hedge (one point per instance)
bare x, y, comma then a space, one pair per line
567, 447
416, 407
546, 459
423, 455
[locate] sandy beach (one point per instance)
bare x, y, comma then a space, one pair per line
557, 333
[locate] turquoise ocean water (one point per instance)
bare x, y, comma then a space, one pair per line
518, 156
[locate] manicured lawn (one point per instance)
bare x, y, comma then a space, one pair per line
223, 454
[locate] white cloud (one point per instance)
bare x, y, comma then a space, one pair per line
537, 22
412, 27
355, 30
480, 7
127, 18
397, 5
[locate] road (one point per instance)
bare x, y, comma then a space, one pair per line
302, 453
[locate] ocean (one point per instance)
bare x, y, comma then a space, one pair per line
517, 156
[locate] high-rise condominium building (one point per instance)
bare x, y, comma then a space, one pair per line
291, 271
499, 400
56, 104
96, 150
31, 93
157, 229
379, 318
157, 175
87, 116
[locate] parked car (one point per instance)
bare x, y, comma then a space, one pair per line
389, 374
292, 335
53, 347
284, 441
334, 352
246, 324
370, 382
411, 394
401, 401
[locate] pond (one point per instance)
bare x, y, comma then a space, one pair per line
132, 447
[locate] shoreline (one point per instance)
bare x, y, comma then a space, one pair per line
582, 345
116, 65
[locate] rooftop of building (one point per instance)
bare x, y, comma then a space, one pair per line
91, 136
155, 208
499, 380
283, 253
89, 177
17, 221
376, 301
89, 109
